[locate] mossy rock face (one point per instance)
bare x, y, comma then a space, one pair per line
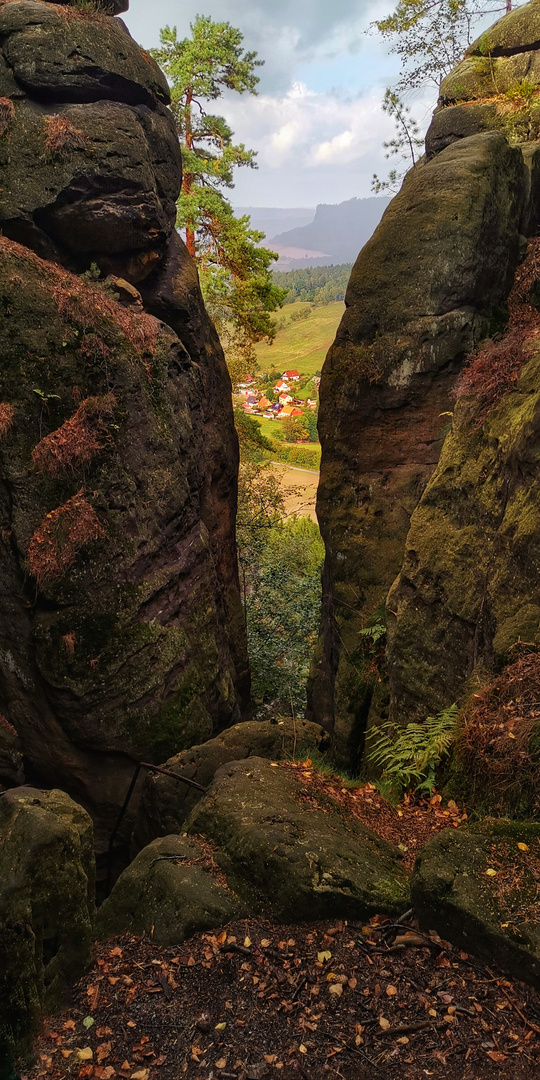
166, 803
92, 138
420, 297
46, 906
172, 890
493, 915
56, 57
468, 589
298, 858
122, 652
11, 765
516, 30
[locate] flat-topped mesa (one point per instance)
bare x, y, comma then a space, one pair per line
121, 629
431, 282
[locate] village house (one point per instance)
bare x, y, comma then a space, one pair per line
291, 375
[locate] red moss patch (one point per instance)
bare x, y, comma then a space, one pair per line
55, 544
62, 137
88, 306
497, 364
6, 418
78, 440
7, 112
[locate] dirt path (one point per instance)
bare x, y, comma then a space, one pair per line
300, 487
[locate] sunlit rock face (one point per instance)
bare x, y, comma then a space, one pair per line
121, 632
429, 285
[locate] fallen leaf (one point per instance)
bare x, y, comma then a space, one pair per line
247, 943
86, 1054
220, 1027
403, 1040
523, 847
491, 872
336, 988
270, 1058
88, 1022
115, 952
325, 955
69, 1025
141, 1074
265, 943
384, 1023
353, 983
496, 1055
222, 1063
302, 1048
391, 990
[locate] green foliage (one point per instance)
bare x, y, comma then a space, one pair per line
235, 271
300, 313
404, 144
294, 429
252, 441
282, 602
376, 632
522, 92
315, 284
306, 457
430, 36
410, 756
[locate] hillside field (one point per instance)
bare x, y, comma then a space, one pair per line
301, 344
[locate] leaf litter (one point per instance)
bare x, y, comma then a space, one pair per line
319, 1001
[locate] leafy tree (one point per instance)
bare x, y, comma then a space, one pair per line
404, 145
429, 37
234, 270
283, 601
294, 429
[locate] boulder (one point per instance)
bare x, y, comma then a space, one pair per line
477, 888
468, 590
420, 297
166, 804
172, 890
46, 906
292, 853
119, 457
119, 650
107, 194
56, 56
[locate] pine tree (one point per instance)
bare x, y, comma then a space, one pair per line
234, 269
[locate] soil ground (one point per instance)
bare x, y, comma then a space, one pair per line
324, 1001
327, 1001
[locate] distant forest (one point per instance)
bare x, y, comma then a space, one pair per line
316, 284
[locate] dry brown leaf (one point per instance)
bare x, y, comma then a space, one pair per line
391, 990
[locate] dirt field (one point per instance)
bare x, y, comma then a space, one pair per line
301, 488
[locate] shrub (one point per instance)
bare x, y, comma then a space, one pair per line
7, 113
409, 757
78, 440
6, 419
55, 544
62, 137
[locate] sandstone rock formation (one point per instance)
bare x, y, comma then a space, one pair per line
431, 282
166, 804
475, 887
46, 906
169, 892
290, 854
120, 619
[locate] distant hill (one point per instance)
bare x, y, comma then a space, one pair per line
335, 235
274, 219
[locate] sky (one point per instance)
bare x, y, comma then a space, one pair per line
316, 122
